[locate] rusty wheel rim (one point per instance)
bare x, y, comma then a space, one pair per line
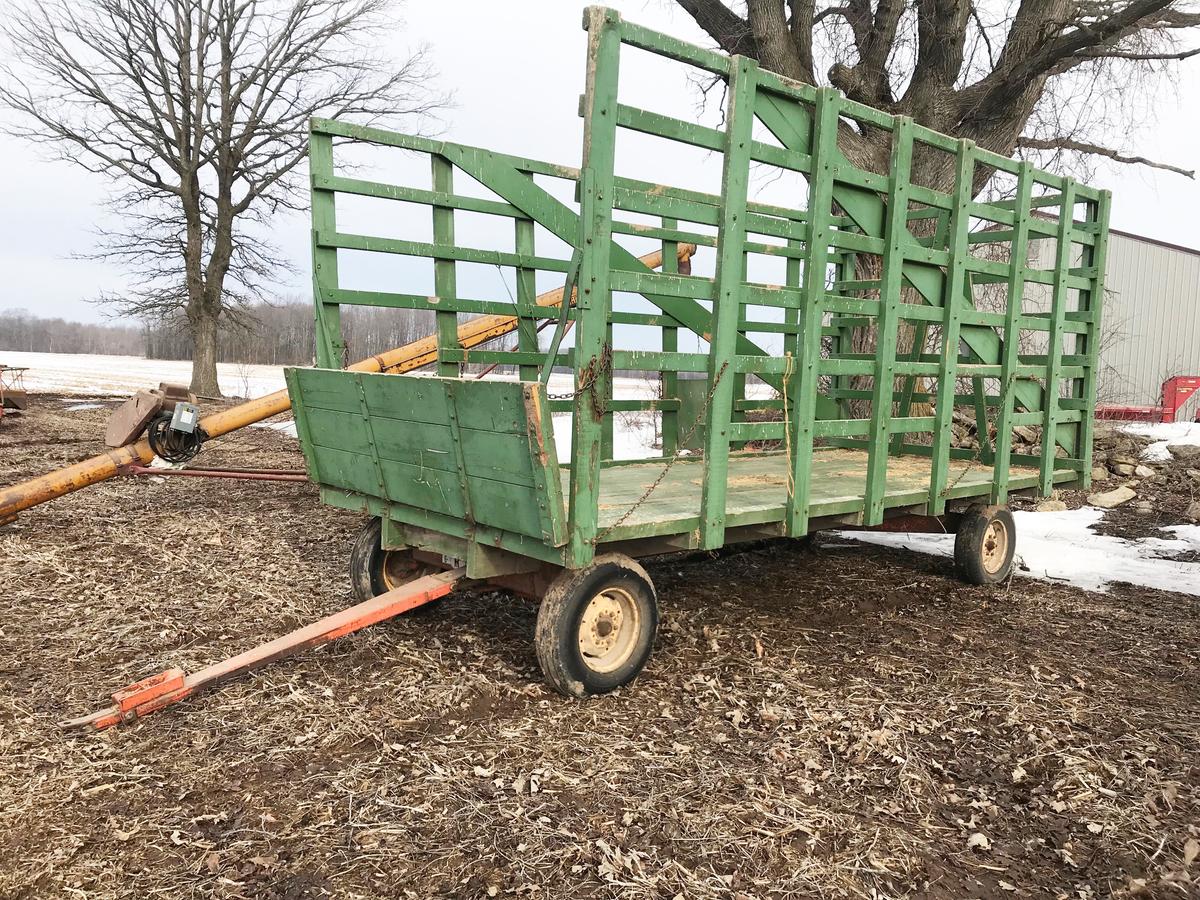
995, 546
608, 630
399, 568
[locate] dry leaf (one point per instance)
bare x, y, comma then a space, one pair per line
978, 841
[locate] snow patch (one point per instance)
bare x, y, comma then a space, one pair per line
288, 426
80, 407
1164, 433
1060, 546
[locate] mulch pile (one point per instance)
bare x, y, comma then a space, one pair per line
820, 721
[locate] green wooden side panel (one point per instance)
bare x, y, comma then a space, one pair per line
481, 451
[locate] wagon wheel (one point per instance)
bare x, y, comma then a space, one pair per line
985, 543
596, 626
375, 571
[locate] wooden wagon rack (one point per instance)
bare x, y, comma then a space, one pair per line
902, 303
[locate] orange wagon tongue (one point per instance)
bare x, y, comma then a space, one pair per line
152, 694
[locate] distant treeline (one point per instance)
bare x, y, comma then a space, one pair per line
268, 334
20, 330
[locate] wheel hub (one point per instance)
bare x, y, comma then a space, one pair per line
995, 546
608, 630
399, 568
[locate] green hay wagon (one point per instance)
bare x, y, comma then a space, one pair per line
800, 427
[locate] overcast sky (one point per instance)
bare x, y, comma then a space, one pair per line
516, 70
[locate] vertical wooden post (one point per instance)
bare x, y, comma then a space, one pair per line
607, 422
594, 298
803, 382
1054, 351
527, 324
952, 307
727, 298
445, 283
843, 341
904, 408
739, 378
1018, 257
1092, 303
330, 348
981, 419
887, 323
669, 381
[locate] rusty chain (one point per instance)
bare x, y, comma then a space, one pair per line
671, 462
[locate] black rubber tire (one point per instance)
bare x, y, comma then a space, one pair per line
975, 536
556, 637
369, 563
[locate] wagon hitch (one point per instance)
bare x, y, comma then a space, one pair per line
152, 694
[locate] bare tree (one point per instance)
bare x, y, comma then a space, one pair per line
1056, 76
198, 110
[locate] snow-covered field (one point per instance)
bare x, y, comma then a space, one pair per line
69, 373
1057, 546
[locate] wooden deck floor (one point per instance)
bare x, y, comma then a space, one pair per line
757, 490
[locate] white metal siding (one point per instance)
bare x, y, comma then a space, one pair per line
1152, 319
1151, 325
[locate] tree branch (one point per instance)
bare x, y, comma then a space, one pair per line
1097, 150
731, 32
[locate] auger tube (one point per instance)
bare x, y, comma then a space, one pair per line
27, 494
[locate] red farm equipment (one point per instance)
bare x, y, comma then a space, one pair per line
1176, 392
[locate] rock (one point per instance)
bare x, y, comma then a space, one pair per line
1099, 474
1145, 507
1143, 471
1120, 460
1110, 499
1184, 451
1158, 479
1051, 505
1028, 435
1122, 468
1193, 511
1193, 474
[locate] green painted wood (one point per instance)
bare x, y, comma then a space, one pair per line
595, 299
727, 310
1019, 252
1092, 301
887, 327
527, 309
456, 447
1054, 366
669, 381
851, 213
791, 124
954, 284
802, 389
444, 274
330, 347
543, 456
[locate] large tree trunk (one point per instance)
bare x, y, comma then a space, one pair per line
204, 354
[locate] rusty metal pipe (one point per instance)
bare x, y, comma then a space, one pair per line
20, 497
242, 474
